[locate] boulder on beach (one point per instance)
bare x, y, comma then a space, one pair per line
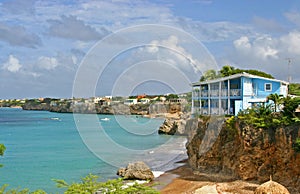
271, 187
172, 126
138, 170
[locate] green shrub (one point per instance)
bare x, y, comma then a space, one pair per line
17, 191
2, 149
231, 130
89, 185
297, 145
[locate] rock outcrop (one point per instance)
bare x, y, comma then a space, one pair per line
174, 124
271, 187
168, 127
244, 152
138, 170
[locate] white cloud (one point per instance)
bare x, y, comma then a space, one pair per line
13, 65
172, 49
267, 25
215, 31
268, 54
291, 42
123, 13
18, 36
71, 27
262, 47
293, 17
242, 43
19, 6
47, 63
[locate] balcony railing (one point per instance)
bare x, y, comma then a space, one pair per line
224, 92
213, 111
204, 93
215, 93
235, 92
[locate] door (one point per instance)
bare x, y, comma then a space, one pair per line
238, 105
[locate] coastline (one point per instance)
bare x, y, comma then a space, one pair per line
184, 179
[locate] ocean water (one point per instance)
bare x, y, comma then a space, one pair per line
41, 146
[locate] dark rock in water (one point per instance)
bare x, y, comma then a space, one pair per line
138, 170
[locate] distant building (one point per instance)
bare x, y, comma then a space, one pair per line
229, 95
53, 103
144, 100
130, 101
162, 98
178, 100
97, 99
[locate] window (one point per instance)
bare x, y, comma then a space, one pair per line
234, 86
268, 87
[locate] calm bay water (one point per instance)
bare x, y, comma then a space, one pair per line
42, 146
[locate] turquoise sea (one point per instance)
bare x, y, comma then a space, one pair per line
41, 146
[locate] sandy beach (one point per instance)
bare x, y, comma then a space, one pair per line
184, 180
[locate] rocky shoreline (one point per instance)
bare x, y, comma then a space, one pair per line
115, 108
235, 159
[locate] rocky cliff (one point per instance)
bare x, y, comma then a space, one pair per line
244, 152
114, 108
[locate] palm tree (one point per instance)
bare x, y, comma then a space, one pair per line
277, 99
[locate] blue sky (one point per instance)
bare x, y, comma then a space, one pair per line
44, 43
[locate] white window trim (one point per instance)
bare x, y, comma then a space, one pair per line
266, 87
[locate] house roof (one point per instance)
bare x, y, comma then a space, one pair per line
237, 76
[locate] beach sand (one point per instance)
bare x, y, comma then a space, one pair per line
184, 180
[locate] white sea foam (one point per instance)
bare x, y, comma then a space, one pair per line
157, 173
167, 156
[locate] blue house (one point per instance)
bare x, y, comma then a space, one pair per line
229, 95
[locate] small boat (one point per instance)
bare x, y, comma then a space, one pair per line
105, 119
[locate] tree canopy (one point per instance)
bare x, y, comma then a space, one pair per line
294, 89
209, 75
228, 70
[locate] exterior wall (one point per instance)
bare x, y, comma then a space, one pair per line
247, 87
237, 106
246, 101
284, 90
260, 87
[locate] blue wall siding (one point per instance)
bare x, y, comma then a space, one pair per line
260, 84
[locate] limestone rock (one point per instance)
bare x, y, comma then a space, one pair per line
138, 170
169, 127
173, 126
244, 152
271, 187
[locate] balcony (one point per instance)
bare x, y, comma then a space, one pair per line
224, 93
204, 93
214, 93
235, 92
213, 111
